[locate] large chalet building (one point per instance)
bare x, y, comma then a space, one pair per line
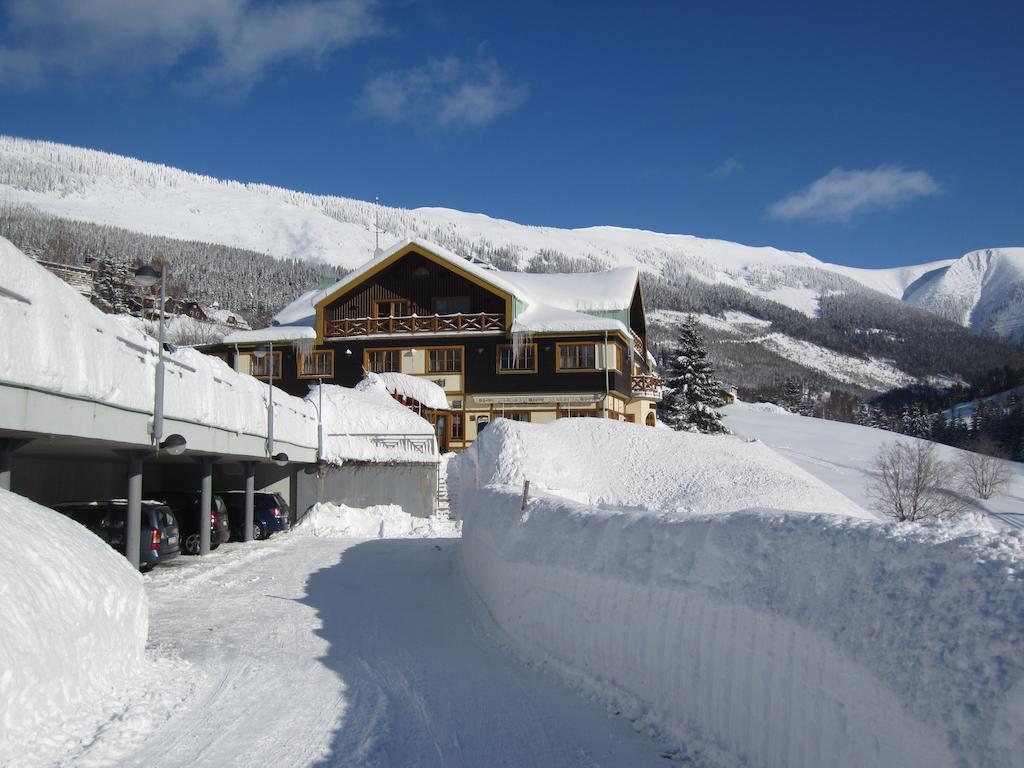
531, 347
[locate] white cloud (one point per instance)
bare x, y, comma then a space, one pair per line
726, 168
447, 93
224, 42
840, 194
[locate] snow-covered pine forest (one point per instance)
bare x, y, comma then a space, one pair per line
825, 325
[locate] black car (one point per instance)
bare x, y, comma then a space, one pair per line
158, 537
186, 508
269, 513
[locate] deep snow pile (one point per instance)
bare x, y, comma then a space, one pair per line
761, 637
615, 464
74, 621
367, 424
422, 390
382, 521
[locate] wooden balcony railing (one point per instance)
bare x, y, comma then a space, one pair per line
638, 343
646, 386
370, 326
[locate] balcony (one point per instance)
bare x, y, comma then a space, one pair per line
638, 343
646, 386
348, 327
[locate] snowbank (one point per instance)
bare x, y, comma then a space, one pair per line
423, 391
74, 620
367, 424
760, 637
67, 346
383, 521
629, 465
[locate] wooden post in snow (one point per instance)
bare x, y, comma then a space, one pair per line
526, 494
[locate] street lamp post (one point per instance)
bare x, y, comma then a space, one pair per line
146, 277
269, 353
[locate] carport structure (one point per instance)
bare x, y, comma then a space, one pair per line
55, 447
84, 402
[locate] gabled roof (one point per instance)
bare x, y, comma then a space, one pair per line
489, 277
551, 301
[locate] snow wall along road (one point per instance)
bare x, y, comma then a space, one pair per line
768, 638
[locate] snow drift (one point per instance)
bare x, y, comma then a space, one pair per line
74, 620
382, 521
762, 636
614, 464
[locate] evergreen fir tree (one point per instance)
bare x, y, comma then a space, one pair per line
693, 394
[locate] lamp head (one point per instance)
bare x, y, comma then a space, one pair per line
174, 445
280, 459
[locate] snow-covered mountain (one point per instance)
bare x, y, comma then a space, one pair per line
979, 291
983, 291
154, 199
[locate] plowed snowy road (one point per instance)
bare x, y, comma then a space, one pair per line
308, 651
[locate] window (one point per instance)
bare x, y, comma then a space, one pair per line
451, 305
260, 366
577, 357
316, 364
383, 360
524, 362
578, 414
458, 426
391, 308
621, 357
444, 360
516, 415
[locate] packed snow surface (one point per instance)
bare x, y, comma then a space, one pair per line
615, 464
74, 624
382, 521
318, 651
420, 389
756, 637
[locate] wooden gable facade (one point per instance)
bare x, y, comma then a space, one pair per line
420, 314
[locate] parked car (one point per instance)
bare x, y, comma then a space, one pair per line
159, 537
185, 505
269, 513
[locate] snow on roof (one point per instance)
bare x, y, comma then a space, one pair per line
361, 424
577, 291
555, 299
540, 318
274, 334
225, 317
67, 346
302, 311
418, 388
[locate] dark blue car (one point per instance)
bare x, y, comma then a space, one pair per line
269, 513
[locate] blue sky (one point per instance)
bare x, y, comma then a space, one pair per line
871, 134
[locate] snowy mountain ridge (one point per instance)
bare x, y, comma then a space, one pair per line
103, 188
983, 290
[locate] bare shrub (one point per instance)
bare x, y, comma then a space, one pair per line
908, 483
983, 472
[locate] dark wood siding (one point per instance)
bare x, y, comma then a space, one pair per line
417, 280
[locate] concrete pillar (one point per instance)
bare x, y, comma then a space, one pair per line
250, 489
205, 503
133, 523
8, 446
